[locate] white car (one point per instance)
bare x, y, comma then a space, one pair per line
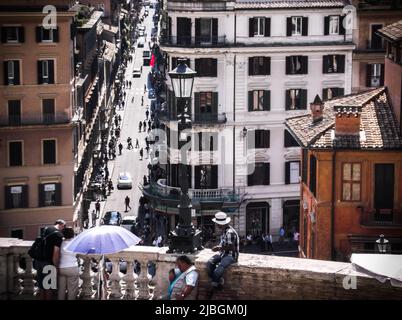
141, 28
141, 42
128, 222
136, 72
141, 33
125, 181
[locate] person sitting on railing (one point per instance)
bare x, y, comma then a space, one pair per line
228, 252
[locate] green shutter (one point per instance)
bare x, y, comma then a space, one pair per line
250, 101
267, 100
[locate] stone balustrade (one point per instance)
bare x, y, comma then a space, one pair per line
253, 277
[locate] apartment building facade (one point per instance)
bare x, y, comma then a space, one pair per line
36, 119
257, 64
368, 56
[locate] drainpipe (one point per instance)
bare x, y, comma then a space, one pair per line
234, 110
333, 254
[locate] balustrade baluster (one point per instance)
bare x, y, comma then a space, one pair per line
129, 279
115, 279
17, 276
143, 290
86, 287
28, 277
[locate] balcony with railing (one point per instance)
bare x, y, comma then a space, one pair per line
287, 278
35, 120
161, 190
381, 218
209, 118
193, 42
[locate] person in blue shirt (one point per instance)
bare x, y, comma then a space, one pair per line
173, 277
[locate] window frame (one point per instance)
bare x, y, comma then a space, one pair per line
8, 153
260, 100
260, 30
293, 32
16, 28
206, 95
54, 203
43, 151
51, 35
265, 166
338, 21
290, 170
351, 182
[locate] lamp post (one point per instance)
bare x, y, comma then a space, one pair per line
382, 244
185, 238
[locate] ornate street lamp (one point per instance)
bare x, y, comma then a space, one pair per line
382, 244
185, 238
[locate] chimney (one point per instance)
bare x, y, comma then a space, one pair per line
347, 121
317, 107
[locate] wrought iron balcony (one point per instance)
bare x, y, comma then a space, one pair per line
160, 189
380, 218
212, 118
35, 119
193, 42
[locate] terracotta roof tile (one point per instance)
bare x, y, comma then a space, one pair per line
378, 126
392, 31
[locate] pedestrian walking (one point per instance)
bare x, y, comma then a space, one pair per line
117, 133
145, 180
120, 148
110, 186
141, 153
142, 101
147, 148
149, 123
147, 113
104, 191
106, 174
124, 95
129, 143
139, 126
145, 88
147, 141
122, 103
129, 84
149, 130
127, 203
97, 207
137, 145
144, 125
93, 218
116, 122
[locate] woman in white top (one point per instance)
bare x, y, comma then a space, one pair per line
68, 269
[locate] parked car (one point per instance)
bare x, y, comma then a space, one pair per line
136, 72
142, 28
127, 222
141, 33
146, 55
151, 93
141, 42
124, 181
112, 218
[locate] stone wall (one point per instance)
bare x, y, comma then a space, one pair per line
254, 277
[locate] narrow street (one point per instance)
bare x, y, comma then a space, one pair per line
132, 114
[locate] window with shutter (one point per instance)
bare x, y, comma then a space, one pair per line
49, 151
13, 34
326, 26
267, 100
289, 140
16, 196
334, 25
384, 188
48, 111
267, 32
259, 26
15, 153
48, 194
296, 65
259, 174
296, 26
12, 72
251, 27
14, 112
304, 26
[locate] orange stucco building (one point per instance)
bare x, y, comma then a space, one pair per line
36, 140
351, 189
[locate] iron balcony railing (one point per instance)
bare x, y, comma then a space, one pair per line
35, 119
193, 42
162, 190
205, 118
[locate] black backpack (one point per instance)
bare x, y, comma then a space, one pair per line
38, 248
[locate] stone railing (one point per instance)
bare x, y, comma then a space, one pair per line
253, 277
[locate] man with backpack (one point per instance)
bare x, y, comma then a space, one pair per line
46, 252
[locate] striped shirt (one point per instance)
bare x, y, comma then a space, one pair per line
229, 236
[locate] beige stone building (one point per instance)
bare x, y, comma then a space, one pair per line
36, 140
